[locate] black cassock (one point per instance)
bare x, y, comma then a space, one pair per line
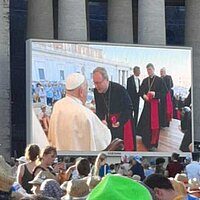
168, 84
134, 95
115, 101
144, 125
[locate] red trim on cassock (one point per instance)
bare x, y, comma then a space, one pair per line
178, 114
128, 132
128, 136
169, 107
155, 128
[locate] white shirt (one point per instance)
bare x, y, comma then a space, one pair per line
74, 127
137, 83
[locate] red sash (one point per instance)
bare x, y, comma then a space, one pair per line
155, 128
178, 114
128, 133
169, 107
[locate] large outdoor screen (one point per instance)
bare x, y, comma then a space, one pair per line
50, 62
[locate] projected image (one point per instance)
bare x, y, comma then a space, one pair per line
156, 81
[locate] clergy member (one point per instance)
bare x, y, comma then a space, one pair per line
151, 91
74, 127
114, 108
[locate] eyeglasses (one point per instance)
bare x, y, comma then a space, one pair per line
98, 82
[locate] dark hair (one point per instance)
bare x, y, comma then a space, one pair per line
160, 160
136, 68
83, 167
150, 65
158, 181
175, 156
32, 152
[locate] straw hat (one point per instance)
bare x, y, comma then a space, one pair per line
77, 188
41, 176
193, 186
6, 179
93, 181
181, 177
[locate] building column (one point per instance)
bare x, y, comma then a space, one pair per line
5, 108
151, 22
72, 20
120, 21
192, 39
40, 19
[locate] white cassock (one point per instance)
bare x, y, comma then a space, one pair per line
74, 127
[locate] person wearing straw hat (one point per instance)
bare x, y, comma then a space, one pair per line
38, 180
73, 126
6, 179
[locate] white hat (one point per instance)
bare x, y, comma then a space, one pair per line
22, 159
74, 81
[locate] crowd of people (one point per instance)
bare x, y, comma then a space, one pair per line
41, 176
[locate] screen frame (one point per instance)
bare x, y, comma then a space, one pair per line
29, 126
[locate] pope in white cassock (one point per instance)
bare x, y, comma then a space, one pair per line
74, 127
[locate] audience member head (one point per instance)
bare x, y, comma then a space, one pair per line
100, 160
83, 167
51, 188
76, 85
160, 161
179, 186
100, 79
32, 152
110, 186
48, 155
162, 186
175, 156
76, 188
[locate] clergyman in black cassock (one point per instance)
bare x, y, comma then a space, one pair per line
151, 90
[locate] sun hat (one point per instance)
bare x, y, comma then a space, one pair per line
41, 176
116, 187
22, 159
93, 181
77, 188
74, 80
193, 186
6, 179
51, 188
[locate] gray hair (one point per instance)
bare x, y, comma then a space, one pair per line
102, 71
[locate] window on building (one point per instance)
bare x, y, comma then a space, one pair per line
41, 74
62, 75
